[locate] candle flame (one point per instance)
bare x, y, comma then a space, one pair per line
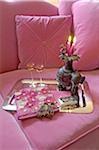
74, 40
70, 39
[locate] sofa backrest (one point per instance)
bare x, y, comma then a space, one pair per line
65, 6
8, 42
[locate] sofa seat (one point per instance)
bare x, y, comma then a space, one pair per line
11, 136
64, 128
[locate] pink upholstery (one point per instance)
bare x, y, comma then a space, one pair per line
39, 39
88, 142
8, 43
61, 131
64, 131
65, 7
11, 136
72, 126
86, 18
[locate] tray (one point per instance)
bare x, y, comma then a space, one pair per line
11, 105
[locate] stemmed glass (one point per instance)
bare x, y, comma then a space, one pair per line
39, 69
31, 67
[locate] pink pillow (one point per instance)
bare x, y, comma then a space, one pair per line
86, 26
39, 39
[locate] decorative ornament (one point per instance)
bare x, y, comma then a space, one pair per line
68, 78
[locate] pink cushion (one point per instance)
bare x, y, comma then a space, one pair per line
11, 136
61, 131
8, 45
86, 26
64, 128
39, 39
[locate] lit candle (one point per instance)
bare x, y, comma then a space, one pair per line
73, 46
69, 40
74, 40
69, 44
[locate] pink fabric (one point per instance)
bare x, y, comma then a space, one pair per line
11, 136
39, 39
61, 131
33, 134
88, 142
8, 45
65, 7
86, 26
45, 134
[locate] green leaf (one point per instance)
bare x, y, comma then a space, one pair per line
73, 58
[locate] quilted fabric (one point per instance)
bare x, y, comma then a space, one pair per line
39, 39
8, 42
86, 26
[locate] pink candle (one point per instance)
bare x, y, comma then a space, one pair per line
71, 49
73, 46
68, 45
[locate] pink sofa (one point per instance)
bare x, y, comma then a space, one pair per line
64, 131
